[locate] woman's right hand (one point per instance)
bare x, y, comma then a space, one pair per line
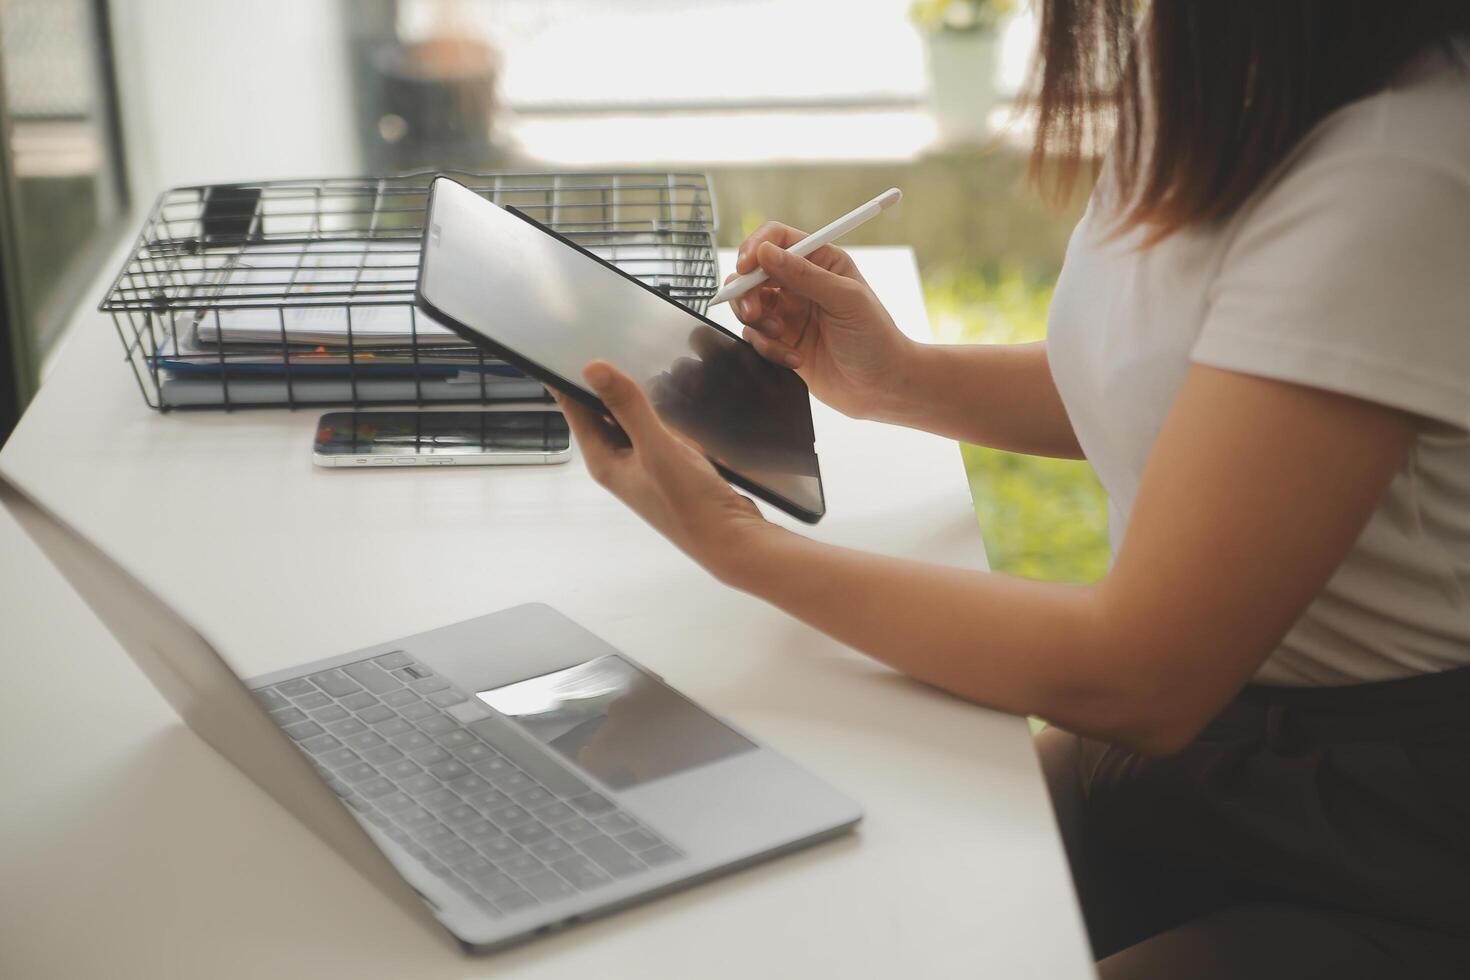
818, 316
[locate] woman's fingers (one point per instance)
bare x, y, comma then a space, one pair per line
772, 231
829, 257
755, 306
589, 428
632, 410
834, 293
773, 350
595, 438
778, 313
791, 311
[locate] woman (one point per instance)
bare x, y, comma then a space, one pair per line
1260, 741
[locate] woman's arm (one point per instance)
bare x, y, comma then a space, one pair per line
819, 316
1254, 492
996, 395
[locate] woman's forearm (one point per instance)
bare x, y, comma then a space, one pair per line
1218, 562
1001, 396
1016, 645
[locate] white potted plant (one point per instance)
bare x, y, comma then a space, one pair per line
961, 45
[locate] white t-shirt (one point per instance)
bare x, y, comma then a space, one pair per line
1349, 271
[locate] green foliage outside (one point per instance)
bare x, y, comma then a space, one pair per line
1041, 518
959, 15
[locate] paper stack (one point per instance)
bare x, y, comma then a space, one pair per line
330, 322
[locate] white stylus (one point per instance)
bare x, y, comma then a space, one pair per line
822, 236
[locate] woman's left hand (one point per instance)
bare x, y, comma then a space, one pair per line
663, 478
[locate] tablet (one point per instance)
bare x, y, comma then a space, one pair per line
519, 290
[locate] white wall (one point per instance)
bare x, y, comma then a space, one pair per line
223, 90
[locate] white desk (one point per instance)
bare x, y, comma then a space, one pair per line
129, 848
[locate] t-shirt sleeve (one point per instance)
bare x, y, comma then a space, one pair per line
1352, 274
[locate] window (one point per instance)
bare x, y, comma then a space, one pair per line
662, 54
62, 198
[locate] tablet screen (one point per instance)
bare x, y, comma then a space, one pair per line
493, 274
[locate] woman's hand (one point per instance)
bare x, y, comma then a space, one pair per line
817, 315
664, 479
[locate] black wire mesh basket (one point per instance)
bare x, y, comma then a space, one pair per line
286, 293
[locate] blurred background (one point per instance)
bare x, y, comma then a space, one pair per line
796, 109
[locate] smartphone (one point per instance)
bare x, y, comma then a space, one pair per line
408, 438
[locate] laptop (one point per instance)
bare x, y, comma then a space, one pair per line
502, 777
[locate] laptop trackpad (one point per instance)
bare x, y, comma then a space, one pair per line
616, 722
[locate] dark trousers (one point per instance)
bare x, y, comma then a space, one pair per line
1306, 833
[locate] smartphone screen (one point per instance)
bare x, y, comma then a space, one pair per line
441, 434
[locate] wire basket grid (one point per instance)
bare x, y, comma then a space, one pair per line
300, 292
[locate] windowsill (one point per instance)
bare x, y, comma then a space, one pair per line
738, 136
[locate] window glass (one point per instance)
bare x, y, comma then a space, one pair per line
67, 186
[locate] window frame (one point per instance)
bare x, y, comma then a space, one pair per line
30, 326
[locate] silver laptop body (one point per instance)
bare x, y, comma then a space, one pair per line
516, 771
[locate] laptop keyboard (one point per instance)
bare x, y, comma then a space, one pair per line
414, 756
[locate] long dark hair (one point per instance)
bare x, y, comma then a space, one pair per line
1208, 96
